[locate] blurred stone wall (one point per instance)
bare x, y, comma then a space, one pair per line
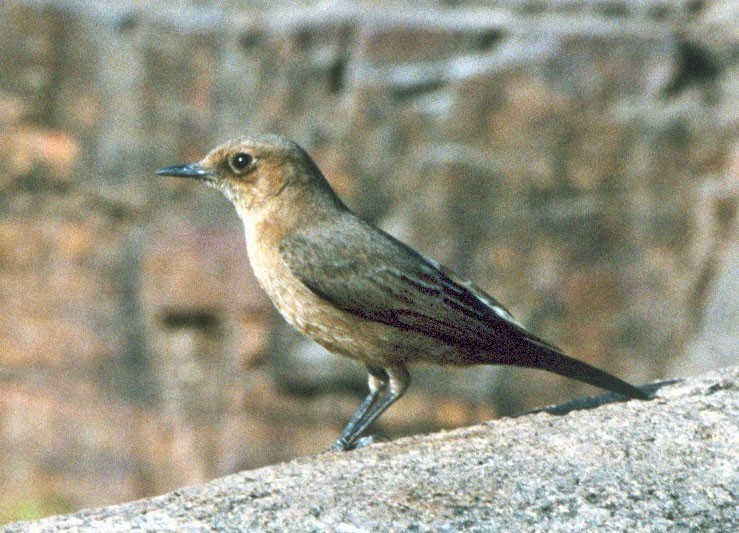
578, 159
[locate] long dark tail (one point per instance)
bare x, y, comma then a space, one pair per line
533, 355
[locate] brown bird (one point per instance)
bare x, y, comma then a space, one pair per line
358, 291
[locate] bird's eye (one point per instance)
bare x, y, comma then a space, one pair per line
240, 162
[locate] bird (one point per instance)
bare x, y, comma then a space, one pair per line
358, 291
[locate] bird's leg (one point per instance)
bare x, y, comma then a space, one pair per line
398, 381
386, 386
377, 382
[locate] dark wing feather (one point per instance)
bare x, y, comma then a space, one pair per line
367, 272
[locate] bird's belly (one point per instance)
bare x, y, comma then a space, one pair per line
336, 330
342, 332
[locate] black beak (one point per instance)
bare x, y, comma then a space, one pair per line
193, 170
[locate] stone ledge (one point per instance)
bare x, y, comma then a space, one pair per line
658, 465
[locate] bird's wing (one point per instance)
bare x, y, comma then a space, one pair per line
364, 271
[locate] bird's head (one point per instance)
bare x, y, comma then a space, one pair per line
251, 171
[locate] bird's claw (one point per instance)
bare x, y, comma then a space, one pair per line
371, 439
342, 445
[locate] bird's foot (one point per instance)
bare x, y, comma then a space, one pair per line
371, 439
340, 446
343, 446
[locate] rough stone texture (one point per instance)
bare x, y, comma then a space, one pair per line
577, 158
662, 465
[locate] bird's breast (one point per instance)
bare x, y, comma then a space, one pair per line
303, 309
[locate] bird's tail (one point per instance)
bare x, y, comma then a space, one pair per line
534, 355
